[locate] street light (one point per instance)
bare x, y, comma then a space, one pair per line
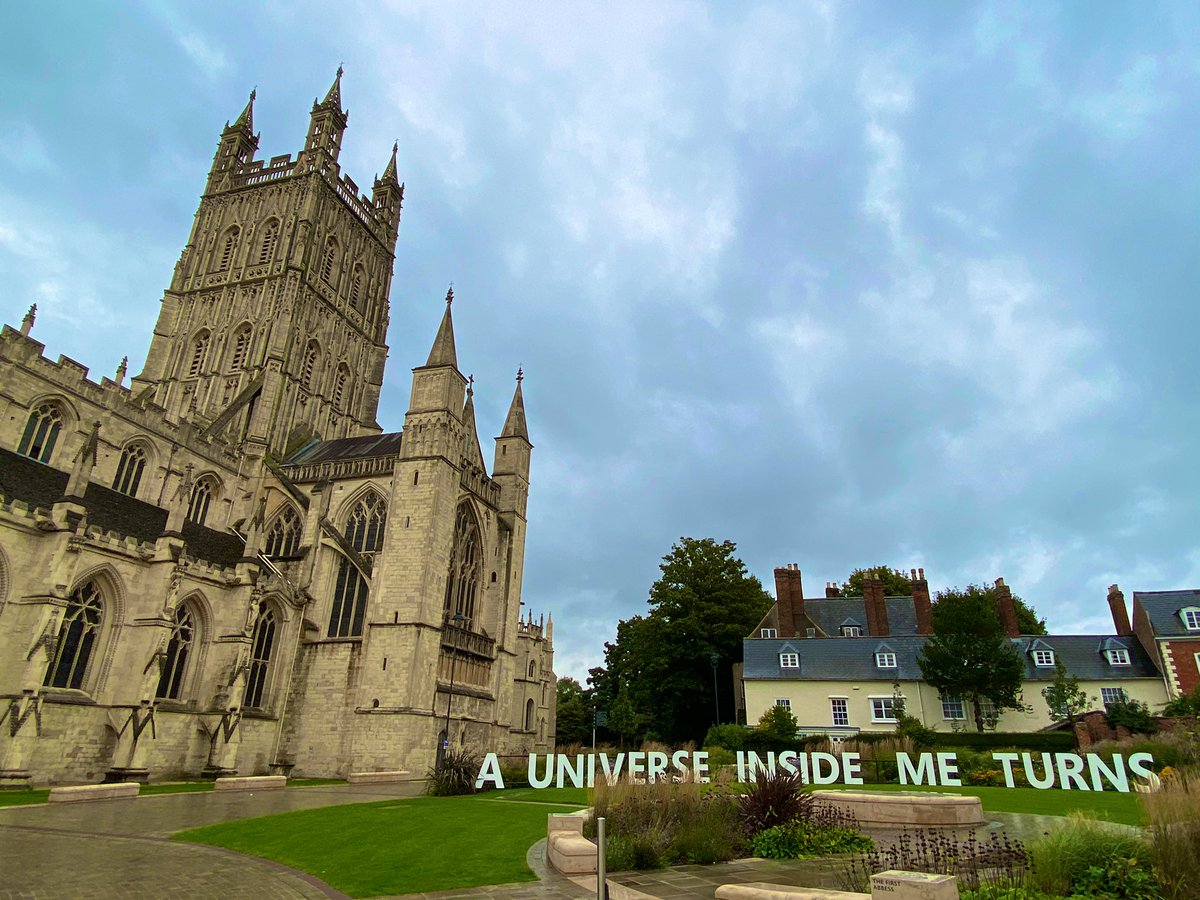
713, 660
457, 619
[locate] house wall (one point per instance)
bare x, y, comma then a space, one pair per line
812, 707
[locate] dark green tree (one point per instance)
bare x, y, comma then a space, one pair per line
969, 655
778, 723
895, 582
573, 713
1064, 697
703, 604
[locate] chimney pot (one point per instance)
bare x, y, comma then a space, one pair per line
921, 574
999, 582
912, 573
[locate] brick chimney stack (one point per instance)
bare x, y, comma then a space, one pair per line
832, 590
789, 598
1120, 615
1006, 609
922, 606
877, 617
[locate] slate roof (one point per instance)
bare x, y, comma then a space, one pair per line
1162, 608
347, 448
828, 613
853, 659
39, 485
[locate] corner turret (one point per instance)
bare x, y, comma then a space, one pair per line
236, 148
326, 125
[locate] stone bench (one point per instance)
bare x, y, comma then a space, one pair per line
250, 783
760, 890
919, 809
567, 850
378, 777
94, 792
892, 885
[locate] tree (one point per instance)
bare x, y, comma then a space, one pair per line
895, 582
969, 656
703, 604
573, 713
1065, 698
778, 723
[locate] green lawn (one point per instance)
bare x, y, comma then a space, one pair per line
397, 846
1110, 805
11, 797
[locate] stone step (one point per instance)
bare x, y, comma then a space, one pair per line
378, 777
250, 783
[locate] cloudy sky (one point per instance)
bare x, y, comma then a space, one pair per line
913, 284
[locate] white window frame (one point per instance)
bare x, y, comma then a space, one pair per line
1118, 695
1043, 659
885, 660
1191, 618
880, 705
839, 707
789, 660
1117, 657
851, 631
769, 633
785, 702
950, 704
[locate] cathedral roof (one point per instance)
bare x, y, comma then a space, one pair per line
41, 486
347, 448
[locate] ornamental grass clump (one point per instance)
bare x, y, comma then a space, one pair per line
454, 776
1088, 856
1173, 819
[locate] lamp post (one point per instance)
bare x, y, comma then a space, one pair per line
457, 620
713, 660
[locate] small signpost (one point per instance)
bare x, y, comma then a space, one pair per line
599, 720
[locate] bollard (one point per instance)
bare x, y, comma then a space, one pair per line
601, 848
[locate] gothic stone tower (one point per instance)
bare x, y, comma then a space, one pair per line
227, 567
274, 327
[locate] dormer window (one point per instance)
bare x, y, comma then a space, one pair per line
1191, 618
885, 660
851, 631
789, 660
1117, 657
769, 633
1043, 659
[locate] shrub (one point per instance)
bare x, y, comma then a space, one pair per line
1133, 714
1004, 891
1127, 879
1049, 741
626, 852
778, 723
1173, 816
456, 775
774, 800
796, 840
731, 737
719, 756
1185, 706
1062, 858
1169, 748
911, 727
996, 861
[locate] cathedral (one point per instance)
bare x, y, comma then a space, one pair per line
224, 565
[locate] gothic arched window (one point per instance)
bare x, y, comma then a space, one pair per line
129, 470
532, 668
228, 248
198, 504
364, 532
262, 643
199, 352
356, 288
329, 260
312, 355
463, 581
529, 715
284, 537
270, 236
241, 348
339, 386
41, 432
76, 638
179, 647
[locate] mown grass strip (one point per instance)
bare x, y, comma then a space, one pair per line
394, 846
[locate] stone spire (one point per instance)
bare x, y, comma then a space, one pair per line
514, 423
443, 353
333, 97
122, 369
326, 125
389, 172
245, 122
471, 448
27, 322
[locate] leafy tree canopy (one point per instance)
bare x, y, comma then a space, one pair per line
969, 655
778, 723
573, 715
703, 604
895, 582
1064, 697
